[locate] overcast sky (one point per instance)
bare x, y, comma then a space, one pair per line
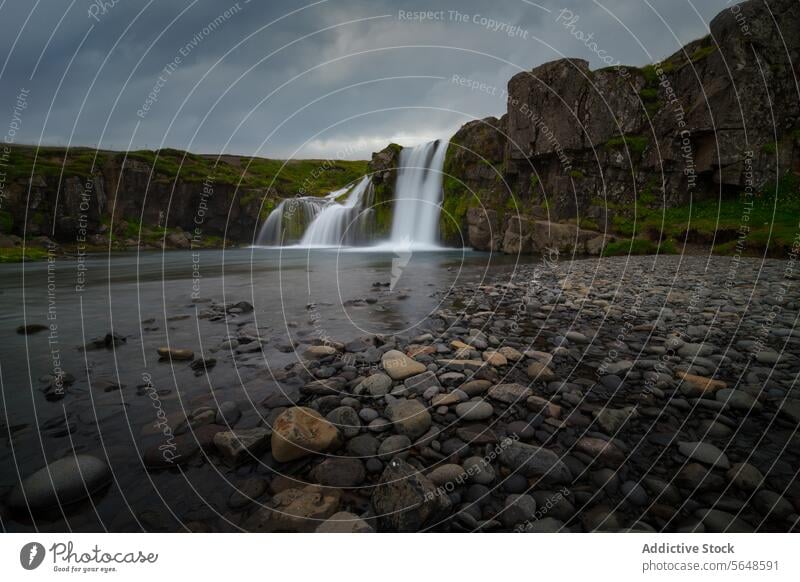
333, 78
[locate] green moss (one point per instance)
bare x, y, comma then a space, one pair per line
576, 174
17, 254
702, 53
6, 222
769, 148
635, 144
639, 247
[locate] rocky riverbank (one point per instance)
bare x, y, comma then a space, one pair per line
619, 394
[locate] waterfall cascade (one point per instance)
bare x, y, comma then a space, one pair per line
289, 220
342, 224
323, 222
418, 195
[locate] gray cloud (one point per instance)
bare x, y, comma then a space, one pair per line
337, 77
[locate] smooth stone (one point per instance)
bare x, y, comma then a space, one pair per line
242, 445
737, 399
479, 470
405, 500
376, 385
422, 382
396, 445
509, 393
518, 509
532, 461
301, 431
473, 411
344, 522
540, 371
341, 472
409, 417
295, 510
745, 476
475, 387
448, 474
319, 352
176, 354
399, 366
228, 414
62, 482
346, 420
705, 453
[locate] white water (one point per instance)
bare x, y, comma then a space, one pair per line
340, 224
289, 219
324, 222
418, 196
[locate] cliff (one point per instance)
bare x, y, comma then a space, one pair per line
90, 198
615, 149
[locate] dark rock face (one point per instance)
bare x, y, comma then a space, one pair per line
573, 140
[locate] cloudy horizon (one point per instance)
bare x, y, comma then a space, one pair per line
329, 79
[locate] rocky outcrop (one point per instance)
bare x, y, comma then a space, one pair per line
575, 143
166, 198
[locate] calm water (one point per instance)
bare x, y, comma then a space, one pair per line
156, 299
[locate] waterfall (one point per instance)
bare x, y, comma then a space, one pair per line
290, 219
325, 222
418, 195
341, 224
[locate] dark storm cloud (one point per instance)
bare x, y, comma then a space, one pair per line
336, 77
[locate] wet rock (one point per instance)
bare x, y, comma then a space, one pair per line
301, 431
509, 393
396, 445
242, 445
296, 510
340, 472
533, 461
376, 385
539, 371
745, 476
346, 420
518, 510
450, 474
344, 522
62, 482
405, 500
175, 354
319, 352
705, 453
31, 328
409, 417
399, 366
474, 410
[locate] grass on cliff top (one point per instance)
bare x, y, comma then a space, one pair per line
311, 177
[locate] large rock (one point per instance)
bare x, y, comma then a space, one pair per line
510, 393
344, 522
340, 472
376, 385
532, 461
60, 483
296, 510
409, 417
301, 431
705, 453
242, 445
399, 366
407, 501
